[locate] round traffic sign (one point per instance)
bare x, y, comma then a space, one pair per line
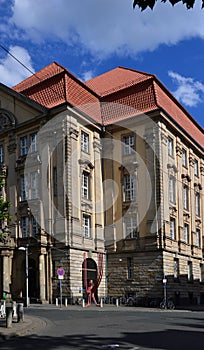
60, 271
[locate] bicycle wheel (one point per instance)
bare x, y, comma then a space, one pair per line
171, 305
162, 305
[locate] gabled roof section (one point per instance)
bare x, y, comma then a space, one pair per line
116, 79
140, 93
55, 85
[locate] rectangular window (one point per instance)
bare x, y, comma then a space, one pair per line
186, 233
24, 226
55, 181
129, 268
34, 226
24, 187
86, 226
185, 198
184, 157
85, 185
129, 187
197, 203
198, 238
196, 167
131, 229
34, 185
170, 147
190, 271
128, 144
173, 228
172, 189
23, 146
33, 143
176, 268
84, 142
201, 272
1, 154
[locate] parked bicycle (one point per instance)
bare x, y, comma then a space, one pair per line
167, 304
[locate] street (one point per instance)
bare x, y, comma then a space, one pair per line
110, 327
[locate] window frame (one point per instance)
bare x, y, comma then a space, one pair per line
172, 189
24, 188
173, 232
23, 151
128, 144
84, 141
185, 197
197, 204
184, 157
86, 226
24, 224
170, 146
186, 232
129, 186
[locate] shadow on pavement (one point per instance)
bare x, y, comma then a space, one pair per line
166, 340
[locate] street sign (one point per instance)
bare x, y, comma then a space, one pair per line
60, 271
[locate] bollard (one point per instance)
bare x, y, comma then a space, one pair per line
56, 301
116, 302
14, 309
65, 302
20, 313
83, 303
9, 315
101, 302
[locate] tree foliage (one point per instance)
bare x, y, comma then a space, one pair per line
143, 4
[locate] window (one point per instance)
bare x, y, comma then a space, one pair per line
24, 187
131, 230
190, 271
170, 147
55, 181
129, 268
1, 154
176, 268
173, 228
186, 233
86, 226
129, 187
128, 144
85, 185
197, 203
24, 226
198, 240
185, 197
23, 145
33, 143
201, 272
196, 168
172, 189
34, 226
34, 185
184, 157
84, 142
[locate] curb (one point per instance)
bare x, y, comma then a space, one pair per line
27, 327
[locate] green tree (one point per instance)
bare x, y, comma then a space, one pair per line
143, 4
4, 214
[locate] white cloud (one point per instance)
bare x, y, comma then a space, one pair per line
189, 91
11, 72
104, 27
87, 75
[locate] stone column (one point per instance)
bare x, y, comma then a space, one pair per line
7, 266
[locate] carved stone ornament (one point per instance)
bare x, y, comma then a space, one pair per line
7, 120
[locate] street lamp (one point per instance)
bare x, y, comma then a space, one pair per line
26, 272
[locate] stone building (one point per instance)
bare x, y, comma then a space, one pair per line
107, 179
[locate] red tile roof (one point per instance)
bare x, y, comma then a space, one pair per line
115, 95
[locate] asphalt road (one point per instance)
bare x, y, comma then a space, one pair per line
112, 328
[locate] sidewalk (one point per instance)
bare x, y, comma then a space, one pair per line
28, 326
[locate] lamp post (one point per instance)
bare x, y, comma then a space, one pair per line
26, 271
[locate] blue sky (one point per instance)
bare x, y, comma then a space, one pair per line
90, 37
